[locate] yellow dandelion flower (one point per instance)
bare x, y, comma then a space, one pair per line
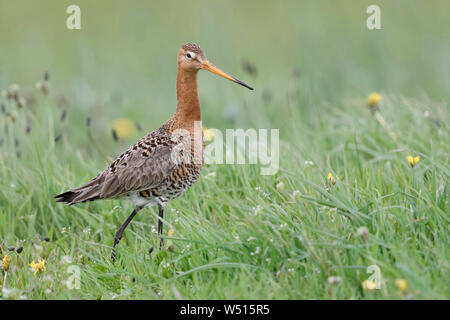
369, 285
413, 160
331, 178
38, 266
124, 128
6, 261
170, 233
373, 99
402, 284
208, 133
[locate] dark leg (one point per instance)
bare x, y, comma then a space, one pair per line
121, 230
160, 225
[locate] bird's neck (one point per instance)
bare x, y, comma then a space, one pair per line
188, 108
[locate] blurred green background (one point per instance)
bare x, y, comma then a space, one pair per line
128, 49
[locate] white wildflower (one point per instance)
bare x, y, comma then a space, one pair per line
256, 210
257, 251
363, 232
334, 280
283, 226
280, 186
66, 259
211, 175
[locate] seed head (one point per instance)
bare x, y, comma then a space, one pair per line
13, 91
250, 68
21, 102
63, 115
363, 232
114, 135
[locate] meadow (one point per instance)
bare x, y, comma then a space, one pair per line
345, 197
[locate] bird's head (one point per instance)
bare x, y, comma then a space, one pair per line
191, 59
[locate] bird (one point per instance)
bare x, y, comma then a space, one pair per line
163, 164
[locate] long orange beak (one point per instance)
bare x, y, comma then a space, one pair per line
206, 65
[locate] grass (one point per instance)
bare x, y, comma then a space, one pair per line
238, 234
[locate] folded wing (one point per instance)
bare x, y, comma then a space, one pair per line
143, 166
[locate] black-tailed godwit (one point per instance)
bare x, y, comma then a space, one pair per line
148, 173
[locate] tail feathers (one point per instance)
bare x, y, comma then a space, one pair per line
75, 196
66, 197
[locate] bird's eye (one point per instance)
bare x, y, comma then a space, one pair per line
190, 55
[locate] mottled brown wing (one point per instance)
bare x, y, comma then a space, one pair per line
135, 172
143, 166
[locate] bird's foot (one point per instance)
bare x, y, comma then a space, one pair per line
113, 255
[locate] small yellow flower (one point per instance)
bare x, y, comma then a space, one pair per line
402, 284
6, 261
331, 178
170, 245
38, 266
369, 285
413, 160
208, 133
373, 99
124, 128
